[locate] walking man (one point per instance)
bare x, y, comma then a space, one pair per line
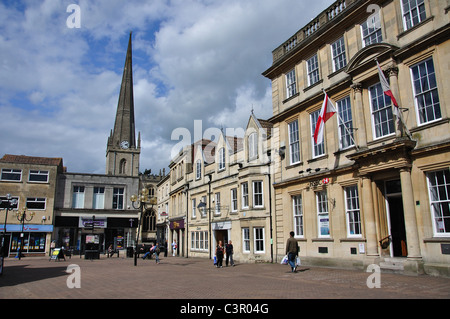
229, 252
292, 251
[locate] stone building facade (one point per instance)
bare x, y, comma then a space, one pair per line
376, 190
32, 183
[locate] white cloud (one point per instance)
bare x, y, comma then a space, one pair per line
192, 59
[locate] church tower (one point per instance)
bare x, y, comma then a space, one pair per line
122, 152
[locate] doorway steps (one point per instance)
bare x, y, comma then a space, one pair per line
393, 265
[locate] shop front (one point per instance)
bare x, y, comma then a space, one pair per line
176, 227
95, 234
33, 240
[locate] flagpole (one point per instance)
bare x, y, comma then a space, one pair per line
399, 109
343, 123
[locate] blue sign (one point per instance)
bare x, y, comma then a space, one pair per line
27, 228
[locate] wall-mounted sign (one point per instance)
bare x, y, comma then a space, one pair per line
319, 182
177, 224
88, 222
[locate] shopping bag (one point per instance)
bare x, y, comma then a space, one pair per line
297, 261
215, 260
284, 261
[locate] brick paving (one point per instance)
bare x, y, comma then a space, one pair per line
196, 279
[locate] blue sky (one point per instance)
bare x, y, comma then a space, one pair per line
192, 60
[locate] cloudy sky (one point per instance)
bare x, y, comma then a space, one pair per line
192, 60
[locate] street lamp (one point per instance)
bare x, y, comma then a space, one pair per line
22, 217
140, 202
10, 204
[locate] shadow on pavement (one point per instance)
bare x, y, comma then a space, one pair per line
19, 274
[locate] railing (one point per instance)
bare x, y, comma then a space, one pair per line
329, 14
385, 242
335, 9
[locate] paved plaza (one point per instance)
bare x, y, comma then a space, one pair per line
195, 278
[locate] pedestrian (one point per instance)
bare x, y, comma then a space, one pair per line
157, 251
149, 253
110, 251
174, 248
229, 251
165, 248
219, 254
292, 251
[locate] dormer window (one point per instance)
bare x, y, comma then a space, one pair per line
252, 146
222, 159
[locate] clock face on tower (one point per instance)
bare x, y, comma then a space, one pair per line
124, 145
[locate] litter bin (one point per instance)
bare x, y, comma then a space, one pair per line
91, 254
130, 252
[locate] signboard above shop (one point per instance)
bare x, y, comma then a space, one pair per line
89, 222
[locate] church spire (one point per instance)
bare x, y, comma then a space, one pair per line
122, 152
124, 127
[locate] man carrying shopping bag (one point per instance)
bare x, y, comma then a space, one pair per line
292, 251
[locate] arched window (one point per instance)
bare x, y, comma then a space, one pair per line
122, 166
149, 222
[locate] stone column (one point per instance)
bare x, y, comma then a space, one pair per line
392, 72
412, 236
359, 116
369, 217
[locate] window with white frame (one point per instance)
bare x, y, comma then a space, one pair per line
258, 194
38, 176
345, 125
246, 240
425, 92
14, 201
313, 69
294, 142
234, 200
118, 198
323, 217
439, 189
352, 211
338, 54
194, 208
244, 190
371, 30
382, 118
259, 240
222, 158
199, 240
198, 169
78, 197
413, 13
298, 215
11, 175
36, 203
319, 148
291, 84
98, 200
252, 146
217, 203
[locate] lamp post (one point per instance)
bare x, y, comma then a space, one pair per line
10, 204
140, 202
22, 217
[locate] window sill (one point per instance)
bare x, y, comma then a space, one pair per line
312, 86
414, 27
291, 97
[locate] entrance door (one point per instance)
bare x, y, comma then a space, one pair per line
396, 219
220, 235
